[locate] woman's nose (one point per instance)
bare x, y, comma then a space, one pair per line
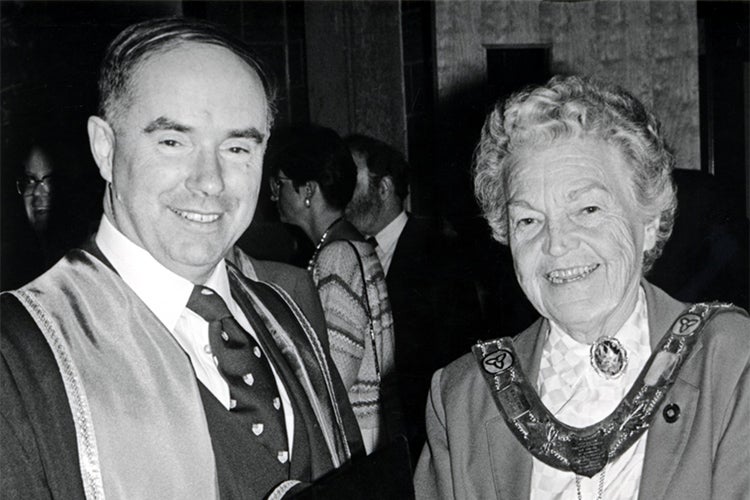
560, 238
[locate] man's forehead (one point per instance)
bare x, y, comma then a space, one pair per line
192, 78
37, 161
183, 55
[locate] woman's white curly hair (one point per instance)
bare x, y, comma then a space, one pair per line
576, 107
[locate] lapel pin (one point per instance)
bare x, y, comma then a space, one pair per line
671, 413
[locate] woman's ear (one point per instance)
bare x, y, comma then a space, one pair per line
650, 231
311, 187
102, 143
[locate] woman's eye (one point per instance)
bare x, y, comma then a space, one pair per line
591, 210
526, 221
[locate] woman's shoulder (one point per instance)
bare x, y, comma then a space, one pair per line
338, 249
337, 257
729, 331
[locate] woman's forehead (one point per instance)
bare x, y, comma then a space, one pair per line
571, 168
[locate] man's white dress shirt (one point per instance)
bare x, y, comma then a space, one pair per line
387, 239
166, 294
576, 395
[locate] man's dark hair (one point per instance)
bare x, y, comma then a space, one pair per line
314, 153
382, 160
140, 41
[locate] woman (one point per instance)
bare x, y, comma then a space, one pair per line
312, 179
575, 178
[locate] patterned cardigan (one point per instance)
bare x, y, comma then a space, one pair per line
363, 355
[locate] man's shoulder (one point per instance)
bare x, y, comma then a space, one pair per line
280, 273
423, 228
38, 434
15, 317
424, 241
269, 270
294, 281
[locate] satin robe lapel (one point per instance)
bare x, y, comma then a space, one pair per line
511, 463
666, 442
304, 414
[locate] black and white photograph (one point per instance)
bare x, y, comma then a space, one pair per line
375, 249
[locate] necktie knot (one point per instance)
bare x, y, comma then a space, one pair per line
207, 304
372, 241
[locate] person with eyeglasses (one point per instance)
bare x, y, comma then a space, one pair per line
36, 185
312, 179
145, 364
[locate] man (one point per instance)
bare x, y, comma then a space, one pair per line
436, 312
145, 366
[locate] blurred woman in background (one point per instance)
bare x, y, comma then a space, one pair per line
312, 179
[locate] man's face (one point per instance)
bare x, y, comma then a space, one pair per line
37, 197
188, 156
366, 205
576, 235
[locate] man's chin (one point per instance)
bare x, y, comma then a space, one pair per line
362, 223
195, 266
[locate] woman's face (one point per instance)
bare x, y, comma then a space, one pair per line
289, 201
576, 235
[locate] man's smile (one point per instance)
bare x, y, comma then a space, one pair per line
196, 216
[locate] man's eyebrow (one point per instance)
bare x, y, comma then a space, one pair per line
248, 133
164, 123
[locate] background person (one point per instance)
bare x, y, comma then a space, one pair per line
436, 312
144, 365
45, 213
312, 180
36, 185
575, 177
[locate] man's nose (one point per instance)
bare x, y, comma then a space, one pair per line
38, 188
207, 176
42, 187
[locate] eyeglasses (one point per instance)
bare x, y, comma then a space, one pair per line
276, 183
28, 183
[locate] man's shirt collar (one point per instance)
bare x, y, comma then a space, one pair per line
387, 239
163, 291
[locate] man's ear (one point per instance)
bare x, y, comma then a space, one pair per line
102, 143
649, 233
385, 187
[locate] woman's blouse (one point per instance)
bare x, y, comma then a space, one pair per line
351, 305
577, 395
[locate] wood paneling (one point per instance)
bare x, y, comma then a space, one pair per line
648, 47
355, 68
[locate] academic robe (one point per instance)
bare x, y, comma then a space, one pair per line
40, 449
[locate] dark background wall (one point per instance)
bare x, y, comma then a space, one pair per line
420, 76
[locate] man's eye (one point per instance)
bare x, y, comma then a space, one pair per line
238, 150
591, 210
169, 143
